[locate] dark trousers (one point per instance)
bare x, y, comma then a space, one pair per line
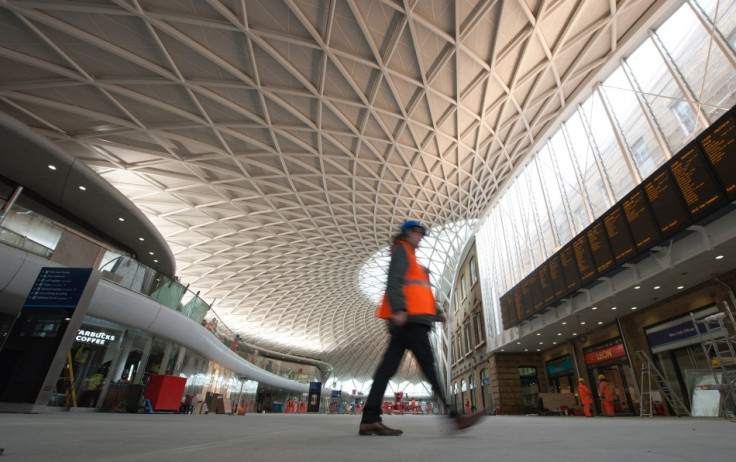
412, 337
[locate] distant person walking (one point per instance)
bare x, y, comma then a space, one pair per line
410, 310
605, 393
586, 396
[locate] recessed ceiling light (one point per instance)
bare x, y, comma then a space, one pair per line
554, 343
121, 219
541, 343
538, 349
82, 188
150, 253
503, 349
155, 261
600, 322
582, 323
637, 287
518, 343
656, 287
559, 333
141, 239
526, 349
633, 307
539, 333
613, 307
52, 167
594, 308
719, 257
564, 322
574, 333
680, 287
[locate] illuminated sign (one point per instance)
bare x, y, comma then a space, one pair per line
95, 338
604, 354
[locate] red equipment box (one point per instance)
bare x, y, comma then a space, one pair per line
165, 392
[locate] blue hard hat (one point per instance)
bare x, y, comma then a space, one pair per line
408, 224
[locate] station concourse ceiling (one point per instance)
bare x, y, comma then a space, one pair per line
278, 145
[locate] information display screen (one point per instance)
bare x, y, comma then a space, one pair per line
668, 207
555, 274
600, 247
526, 295
584, 257
619, 236
545, 283
570, 268
719, 143
536, 290
519, 302
507, 318
697, 183
644, 229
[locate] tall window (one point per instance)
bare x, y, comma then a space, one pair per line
463, 289
676, 82
480, 331
473, 272
468, 339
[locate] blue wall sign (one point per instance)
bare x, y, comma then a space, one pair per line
58, 287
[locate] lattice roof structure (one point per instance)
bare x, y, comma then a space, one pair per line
277, 145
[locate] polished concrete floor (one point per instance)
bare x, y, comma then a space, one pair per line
82, 437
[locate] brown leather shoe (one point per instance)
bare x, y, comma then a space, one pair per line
378, 428
464, 421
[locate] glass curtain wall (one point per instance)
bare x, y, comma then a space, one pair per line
666, 91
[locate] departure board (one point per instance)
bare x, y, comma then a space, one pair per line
668, 207
570, 268
619, 236
600, 247
545, 283
519, 302
507, 319
584, 257
536, 290
555, 274
641, 222
526, 294
719, 144
697, 184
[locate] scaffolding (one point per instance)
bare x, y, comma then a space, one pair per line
645, 398
718, 345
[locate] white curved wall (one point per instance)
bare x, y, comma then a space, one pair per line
111, 302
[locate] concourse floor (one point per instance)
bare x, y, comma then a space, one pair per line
86, 437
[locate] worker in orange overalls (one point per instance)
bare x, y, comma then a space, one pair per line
586, 397
605, 393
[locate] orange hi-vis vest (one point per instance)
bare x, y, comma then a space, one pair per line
417, 289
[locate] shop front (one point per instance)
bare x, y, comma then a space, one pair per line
678, 354
610, 360
561, 375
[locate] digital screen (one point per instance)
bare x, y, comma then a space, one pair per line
668, 207
719, 144
641, 222
519, 302
584, 257
545, 283
506, 311
570, 268
559, 284
697, 184
617, 230
600, 247
526, 295
536, 290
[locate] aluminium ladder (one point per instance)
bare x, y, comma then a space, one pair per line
720, 352
647, 367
